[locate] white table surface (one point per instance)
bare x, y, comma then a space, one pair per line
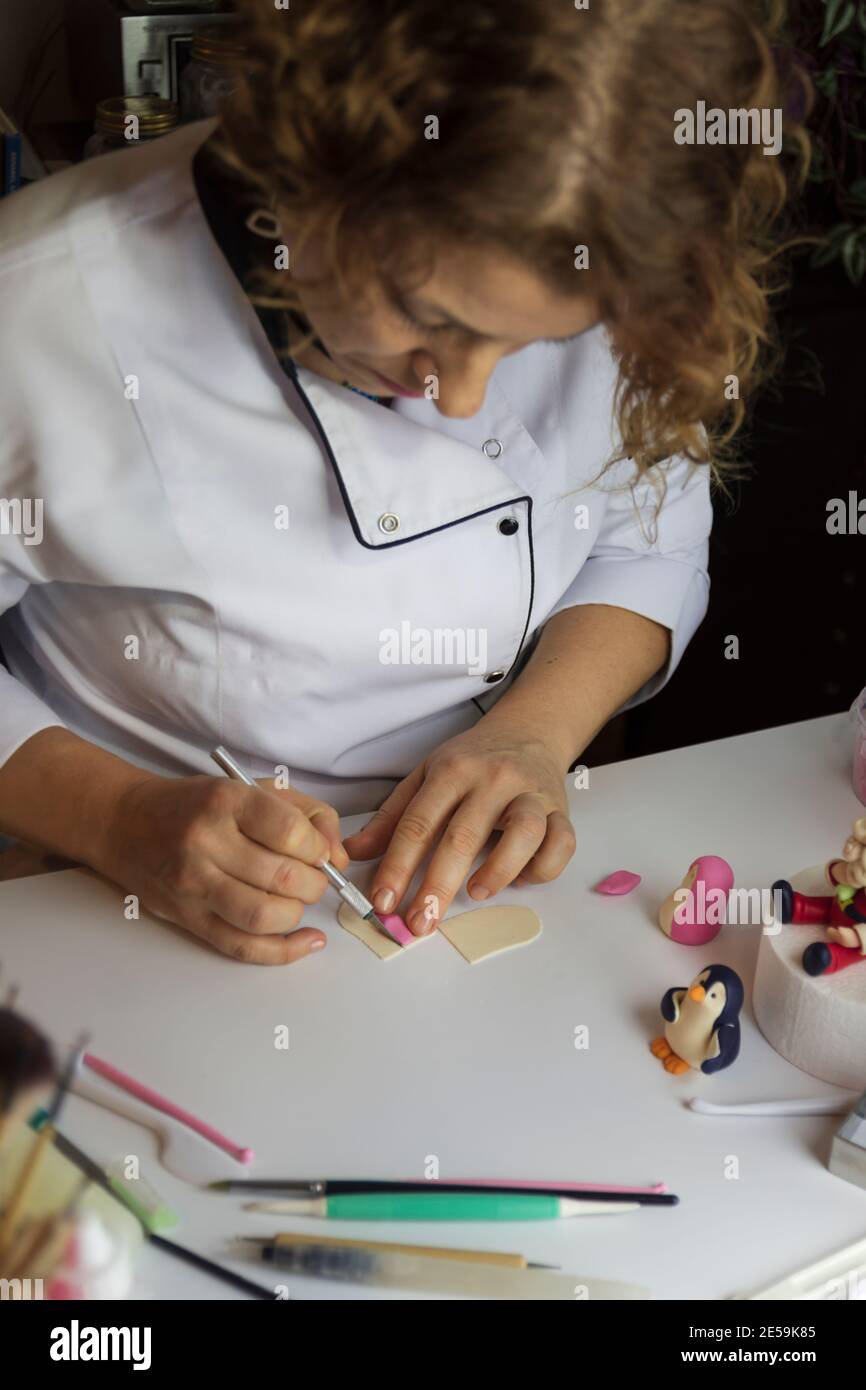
426, 1055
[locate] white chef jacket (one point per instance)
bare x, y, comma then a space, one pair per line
226, 554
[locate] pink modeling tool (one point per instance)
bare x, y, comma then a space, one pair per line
167, 1107
654, 1189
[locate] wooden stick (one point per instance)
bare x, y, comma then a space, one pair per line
38, 1233
44, 1256
30, 1237
26, 1179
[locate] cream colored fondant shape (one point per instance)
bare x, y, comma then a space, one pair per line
380, 945
489, 930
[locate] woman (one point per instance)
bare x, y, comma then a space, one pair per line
372, 432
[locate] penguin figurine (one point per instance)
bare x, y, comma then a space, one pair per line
702, 1023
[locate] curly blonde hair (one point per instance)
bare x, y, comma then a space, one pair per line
555, 129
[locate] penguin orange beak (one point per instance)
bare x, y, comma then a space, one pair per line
699, 994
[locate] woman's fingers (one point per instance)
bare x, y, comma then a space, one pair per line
524, 825
280, 825
326, 820
257, 950
248, 909
411, 839
552, 855
462, 839
373, 839
233, 864
276, 874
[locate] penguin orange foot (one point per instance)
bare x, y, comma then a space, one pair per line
675, 1065
661, 1048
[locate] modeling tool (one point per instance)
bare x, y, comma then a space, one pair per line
142, 1199
136, 1195
433, 1271
818, 1105
182, 1151
152, 1098
392, 926
332, 1187
442, 1206
288, 1240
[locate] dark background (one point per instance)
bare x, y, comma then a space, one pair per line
790, 591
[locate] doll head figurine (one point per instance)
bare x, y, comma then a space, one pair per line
696, 911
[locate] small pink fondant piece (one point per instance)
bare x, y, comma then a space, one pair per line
623, 881
397, 927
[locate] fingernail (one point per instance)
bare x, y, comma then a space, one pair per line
478, 891
316, 945
384, 899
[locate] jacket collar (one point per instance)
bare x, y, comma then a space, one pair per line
402, 479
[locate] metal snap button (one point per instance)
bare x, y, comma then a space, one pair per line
492, 448
493, 677
389, 523
508, 525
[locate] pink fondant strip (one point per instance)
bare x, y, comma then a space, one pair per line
397, 927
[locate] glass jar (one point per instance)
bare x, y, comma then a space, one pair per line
210, 75
124, 122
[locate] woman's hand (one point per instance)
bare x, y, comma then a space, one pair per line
234, 865
493, 777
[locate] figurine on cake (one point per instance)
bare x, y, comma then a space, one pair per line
843, 913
